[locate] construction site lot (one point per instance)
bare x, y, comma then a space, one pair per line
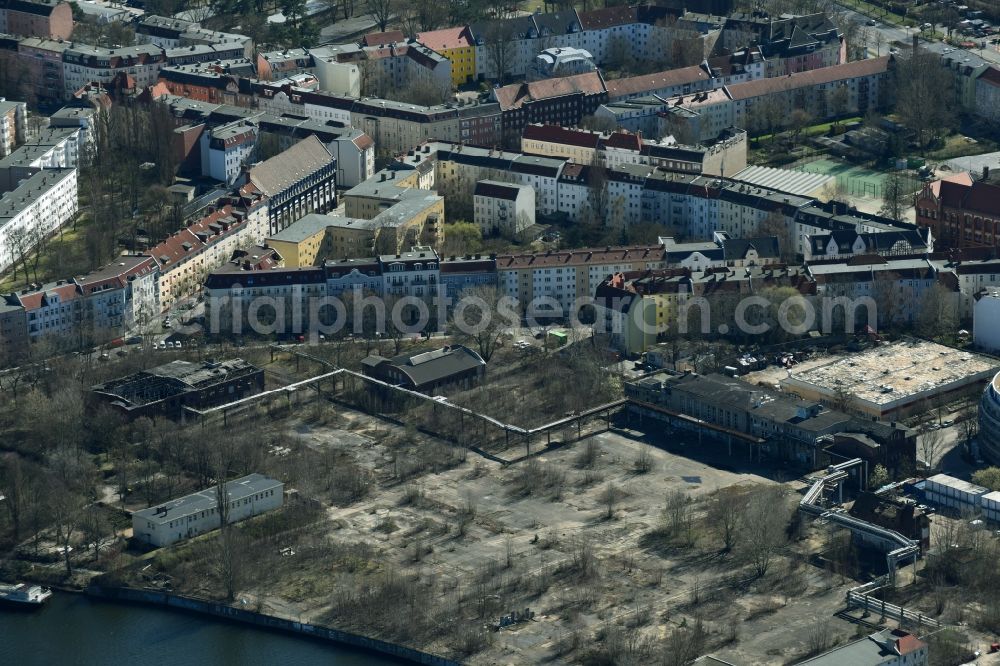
599, 551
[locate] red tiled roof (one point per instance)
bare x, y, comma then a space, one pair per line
448, 38
624, 140
909, 643
380, 38
364, 142
36, 299
635, 85
561, 135
991, 75
581, 257
963, 178
813, 77
608, 17
516, 94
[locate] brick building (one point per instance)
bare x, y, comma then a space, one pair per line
961, 212
46, 19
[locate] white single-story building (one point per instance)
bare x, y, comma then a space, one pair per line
198, 513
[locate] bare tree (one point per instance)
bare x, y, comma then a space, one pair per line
763, 527
923, 90
381, 11
67, 506
931, 443
937, 315
724, 513
16, 487
481, 317
499, 47
679, 517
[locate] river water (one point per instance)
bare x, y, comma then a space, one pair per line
73, 630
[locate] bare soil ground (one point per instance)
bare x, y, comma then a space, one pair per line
424, 544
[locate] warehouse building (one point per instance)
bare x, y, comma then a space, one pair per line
890, 382
167, 389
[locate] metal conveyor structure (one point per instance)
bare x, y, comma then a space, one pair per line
899, 547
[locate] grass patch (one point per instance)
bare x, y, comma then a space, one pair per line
957, 145
63, 256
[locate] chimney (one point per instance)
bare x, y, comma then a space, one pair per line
986, 172
916, 43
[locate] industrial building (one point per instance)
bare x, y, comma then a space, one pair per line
426, 371
889, 647
986, 319
199, 512
765, 422
168, 389
890, 382
988, 441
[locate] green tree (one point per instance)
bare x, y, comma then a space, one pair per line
461, 238
895, 198
989, 478
879, 477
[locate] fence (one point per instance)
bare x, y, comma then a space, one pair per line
858, 598
869, 185
433, 415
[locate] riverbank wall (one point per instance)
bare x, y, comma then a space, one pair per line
254, 618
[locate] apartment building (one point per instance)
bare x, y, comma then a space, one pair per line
722, 251
635, 308
846, 243
397, 65
50, 148
727, 154
457, 45
82, 118
169, 32
414, 274
47, 19
787, 45
187, 257
13, 125
503, 208
39, 64
36, 207
560, 282
563, 101
83, 64
226, 150
296, 182
896, 286
987, 94
121, 296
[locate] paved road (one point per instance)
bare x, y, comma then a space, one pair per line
893, 34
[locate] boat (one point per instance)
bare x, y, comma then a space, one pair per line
24, 595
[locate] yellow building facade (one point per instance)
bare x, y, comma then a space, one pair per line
457, 46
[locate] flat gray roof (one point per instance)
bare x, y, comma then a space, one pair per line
207, 499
